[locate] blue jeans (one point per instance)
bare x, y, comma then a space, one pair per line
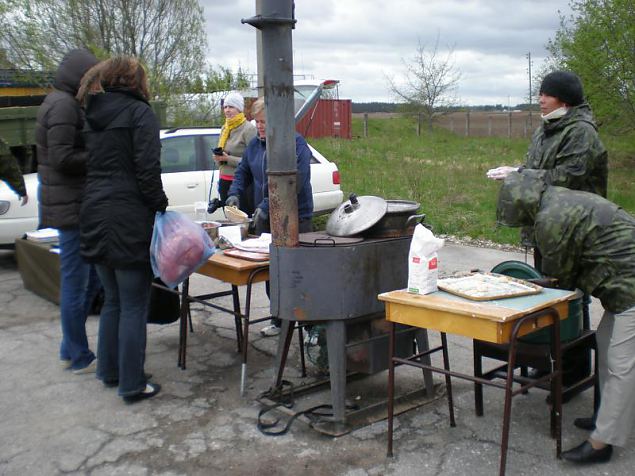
79, 286
121, 348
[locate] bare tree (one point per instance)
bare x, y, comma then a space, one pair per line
430, 82
167, 35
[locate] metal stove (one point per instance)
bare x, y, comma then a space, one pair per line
335, 280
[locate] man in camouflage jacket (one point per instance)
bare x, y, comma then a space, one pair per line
587, 242
565, 150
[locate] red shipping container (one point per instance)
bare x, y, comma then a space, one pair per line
328, 118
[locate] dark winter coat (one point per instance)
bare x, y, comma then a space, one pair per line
586, 241
61, 151
253, 170
123, 187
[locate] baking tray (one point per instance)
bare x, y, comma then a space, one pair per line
481, 286
248, 255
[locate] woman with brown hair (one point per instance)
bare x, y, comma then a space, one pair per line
123, 193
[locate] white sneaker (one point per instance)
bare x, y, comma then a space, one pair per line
270, 331
89, 369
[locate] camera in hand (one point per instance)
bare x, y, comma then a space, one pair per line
213, 205
217, 151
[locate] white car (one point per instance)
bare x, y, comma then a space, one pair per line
187, 169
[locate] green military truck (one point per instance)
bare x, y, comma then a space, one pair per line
17, 130
17, 136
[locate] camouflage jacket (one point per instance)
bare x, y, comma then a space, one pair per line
568, 152
586, 241
10, 170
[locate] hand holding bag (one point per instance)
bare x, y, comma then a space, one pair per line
179, 246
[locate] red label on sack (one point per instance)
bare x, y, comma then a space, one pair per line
416, 259
432, 264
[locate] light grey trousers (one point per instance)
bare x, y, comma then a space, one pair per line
616, 369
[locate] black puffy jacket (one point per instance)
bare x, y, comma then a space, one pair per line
123, 186
61, 151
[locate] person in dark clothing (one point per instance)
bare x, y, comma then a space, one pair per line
62, 158
123, 193
587, 242
252, 170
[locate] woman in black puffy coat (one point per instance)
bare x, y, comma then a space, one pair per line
123, 194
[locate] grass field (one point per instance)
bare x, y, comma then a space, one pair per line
445, 172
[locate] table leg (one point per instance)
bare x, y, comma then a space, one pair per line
238, 324
391, 385
336, 344
185, 309
245, 339
245, 336
556, 383
448, 379
511, 364
423, 345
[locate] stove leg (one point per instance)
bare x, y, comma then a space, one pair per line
336, 341
284, 341
423, 345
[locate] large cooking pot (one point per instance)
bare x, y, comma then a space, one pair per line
400, 219
373, 217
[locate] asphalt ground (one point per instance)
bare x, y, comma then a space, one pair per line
53, 422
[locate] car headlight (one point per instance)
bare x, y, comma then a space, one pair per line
4, 206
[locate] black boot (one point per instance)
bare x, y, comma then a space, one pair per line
585, 454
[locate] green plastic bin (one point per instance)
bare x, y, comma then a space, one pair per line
570, 328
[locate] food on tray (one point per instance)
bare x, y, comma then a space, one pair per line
235, 215
484, 286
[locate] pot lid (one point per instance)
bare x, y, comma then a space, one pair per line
317, 238
402, 206
356, 215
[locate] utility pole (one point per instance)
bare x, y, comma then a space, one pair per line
531, 126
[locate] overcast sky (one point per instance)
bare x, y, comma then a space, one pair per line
359, 42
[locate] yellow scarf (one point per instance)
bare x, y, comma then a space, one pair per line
230, 124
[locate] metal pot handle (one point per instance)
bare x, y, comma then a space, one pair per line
413, 218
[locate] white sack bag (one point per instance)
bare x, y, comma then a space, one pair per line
423, 266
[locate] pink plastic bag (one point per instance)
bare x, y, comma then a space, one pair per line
179, 246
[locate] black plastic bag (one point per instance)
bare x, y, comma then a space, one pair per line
165, 306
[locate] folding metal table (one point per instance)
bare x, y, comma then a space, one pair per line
499, 321
236, 272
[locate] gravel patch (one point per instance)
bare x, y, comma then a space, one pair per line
468, 241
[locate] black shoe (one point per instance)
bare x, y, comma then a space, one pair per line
585, 423
115, 383
150, 391
585, 454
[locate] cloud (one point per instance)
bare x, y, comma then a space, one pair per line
359, 42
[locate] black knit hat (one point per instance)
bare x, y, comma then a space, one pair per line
565, 86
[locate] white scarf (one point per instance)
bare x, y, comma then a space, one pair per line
555, 114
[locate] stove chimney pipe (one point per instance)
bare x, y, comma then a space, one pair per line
275, 22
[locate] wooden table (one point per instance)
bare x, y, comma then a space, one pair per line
236, 272
500, 321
